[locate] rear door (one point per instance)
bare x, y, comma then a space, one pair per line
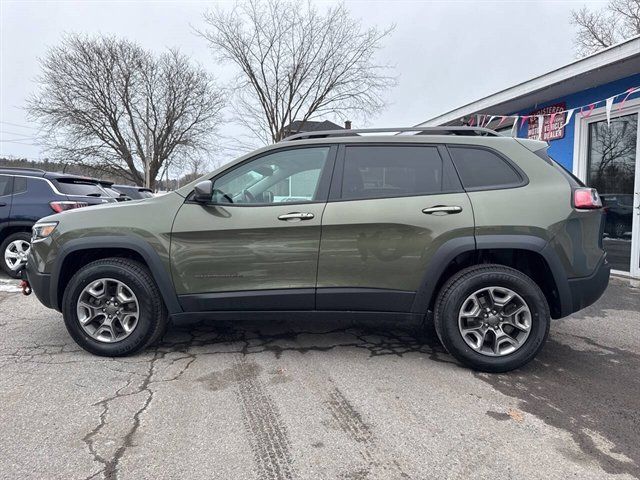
6, 187
391, 207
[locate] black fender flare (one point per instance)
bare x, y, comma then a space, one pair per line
454, 247
127, 242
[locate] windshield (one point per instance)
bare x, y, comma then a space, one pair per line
74, 186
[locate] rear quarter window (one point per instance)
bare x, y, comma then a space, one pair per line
482, 169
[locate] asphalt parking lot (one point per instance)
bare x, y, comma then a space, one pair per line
251, 400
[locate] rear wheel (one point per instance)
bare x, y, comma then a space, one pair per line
492, 318
14, 252
112, 307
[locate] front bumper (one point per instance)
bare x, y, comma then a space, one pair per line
41, 285
586, 290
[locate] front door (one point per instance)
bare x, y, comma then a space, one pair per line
255, 245
394, 206
612, 168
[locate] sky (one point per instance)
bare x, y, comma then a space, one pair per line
445, 53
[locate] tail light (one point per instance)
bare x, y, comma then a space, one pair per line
66, 205
586, 199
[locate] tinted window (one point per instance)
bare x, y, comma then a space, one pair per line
391, 171
480, 168
281, 177
70, 186
5, 185
19, 185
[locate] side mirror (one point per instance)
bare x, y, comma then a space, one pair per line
203, 191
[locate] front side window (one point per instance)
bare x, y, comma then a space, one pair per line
392, 171
281, 177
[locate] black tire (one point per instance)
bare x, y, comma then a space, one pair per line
3, 247
456, 290
153, 318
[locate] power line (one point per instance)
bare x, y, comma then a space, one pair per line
16, 133
18, 125
22, 143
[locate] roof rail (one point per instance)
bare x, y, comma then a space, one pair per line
22, 169
419, 130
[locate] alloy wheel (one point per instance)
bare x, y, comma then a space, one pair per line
15, 255
494, 321
108, 310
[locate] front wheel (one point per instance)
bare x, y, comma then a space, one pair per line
492, 318
112, 307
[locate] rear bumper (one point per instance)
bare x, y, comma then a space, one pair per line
586, 290
41, 285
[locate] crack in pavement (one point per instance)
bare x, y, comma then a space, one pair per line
110, 466
592, 395
275, 461
563, 387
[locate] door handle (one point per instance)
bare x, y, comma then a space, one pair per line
442, 210
2, 204
296, 216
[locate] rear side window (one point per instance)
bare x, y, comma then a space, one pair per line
19, 185
5, 185
72, 186
393, 171
482, 169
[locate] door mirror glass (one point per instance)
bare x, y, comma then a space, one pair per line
203, 192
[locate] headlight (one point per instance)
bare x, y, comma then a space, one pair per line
42, 231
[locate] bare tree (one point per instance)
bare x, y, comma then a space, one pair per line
598, 29
296, 63
111, 104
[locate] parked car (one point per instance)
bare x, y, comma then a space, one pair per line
619, 218
486, 234
134, 193
108, 187
26, 195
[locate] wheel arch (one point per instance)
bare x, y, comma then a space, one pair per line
15, 227
78, 252
527, 253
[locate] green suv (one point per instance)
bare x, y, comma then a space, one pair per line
485, 234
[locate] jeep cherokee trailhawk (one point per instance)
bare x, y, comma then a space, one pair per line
486, 234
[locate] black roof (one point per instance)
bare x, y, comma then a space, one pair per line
36, 172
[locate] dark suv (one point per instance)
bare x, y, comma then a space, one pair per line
486, 234
134, 193
27, 195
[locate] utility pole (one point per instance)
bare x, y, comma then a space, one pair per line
147, 151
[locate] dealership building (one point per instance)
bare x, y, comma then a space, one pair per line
589, 114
